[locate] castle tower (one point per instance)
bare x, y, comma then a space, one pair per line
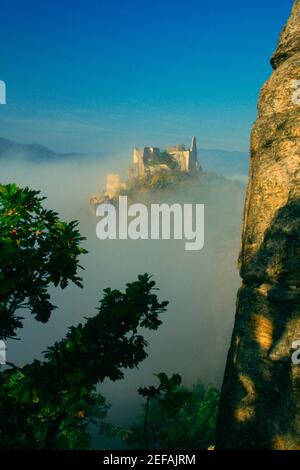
193, 162
194, 145
113, 185
138, 162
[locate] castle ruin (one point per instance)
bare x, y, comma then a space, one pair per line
148, 161
143, 159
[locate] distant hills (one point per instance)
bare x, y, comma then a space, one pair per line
231, 164
33, 152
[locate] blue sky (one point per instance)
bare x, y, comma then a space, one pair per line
104, 75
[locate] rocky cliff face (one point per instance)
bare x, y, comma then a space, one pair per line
260, 401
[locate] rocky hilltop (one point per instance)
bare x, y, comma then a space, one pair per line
260, 402
151, 170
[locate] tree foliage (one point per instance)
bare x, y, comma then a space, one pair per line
36, 249
49, 404
163, 158
177, 418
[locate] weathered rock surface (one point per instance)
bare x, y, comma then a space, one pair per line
260, 400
